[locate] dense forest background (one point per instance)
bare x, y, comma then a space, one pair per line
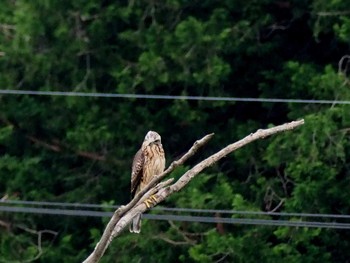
79, 149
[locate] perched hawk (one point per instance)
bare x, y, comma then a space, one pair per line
148, 162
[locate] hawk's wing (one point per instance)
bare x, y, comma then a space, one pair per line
136, 170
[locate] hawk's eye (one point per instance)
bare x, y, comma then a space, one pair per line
157, 141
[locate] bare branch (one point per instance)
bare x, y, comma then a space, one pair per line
46, 145
334, 13
123, 216
39, 241
228, 149
278, 206
4, 198
224, 256
106, 238
5, 224
170, 241
187, 240
343, 64
7, 27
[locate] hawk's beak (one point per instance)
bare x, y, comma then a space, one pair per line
157, 142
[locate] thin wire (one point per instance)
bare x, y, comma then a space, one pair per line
189, 210
247, 221
62, 204
180, 218
167, 97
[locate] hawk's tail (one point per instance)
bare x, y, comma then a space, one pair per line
135, 226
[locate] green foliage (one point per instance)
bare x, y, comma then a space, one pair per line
80, 149
342, 29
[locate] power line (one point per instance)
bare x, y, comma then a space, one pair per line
248, 221
168, 97
181, 218
169, 209
61, 204
50, 211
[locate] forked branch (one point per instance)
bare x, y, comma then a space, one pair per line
123, 216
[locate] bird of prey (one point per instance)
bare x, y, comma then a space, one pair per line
148, 162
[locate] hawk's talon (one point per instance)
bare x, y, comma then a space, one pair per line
149, 202
154, 198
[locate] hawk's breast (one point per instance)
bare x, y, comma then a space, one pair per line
154, 162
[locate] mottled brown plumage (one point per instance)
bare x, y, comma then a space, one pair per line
148, 162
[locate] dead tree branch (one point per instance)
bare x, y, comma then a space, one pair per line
106, 238
123, 216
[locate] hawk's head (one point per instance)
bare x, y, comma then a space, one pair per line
152, 137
